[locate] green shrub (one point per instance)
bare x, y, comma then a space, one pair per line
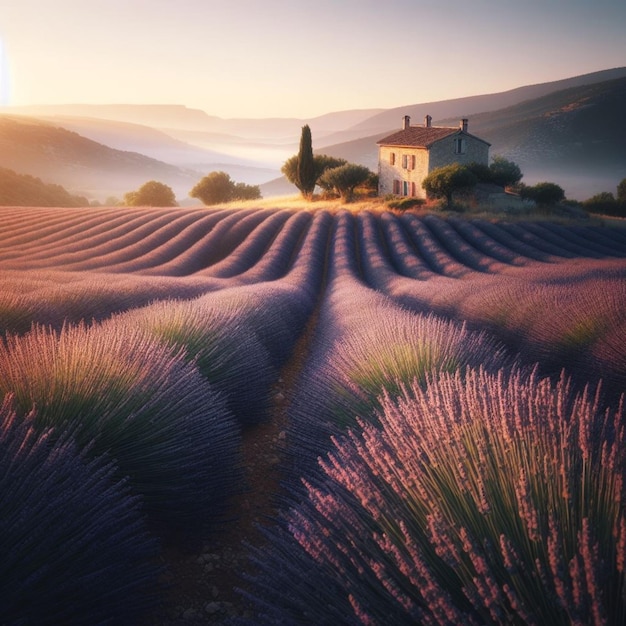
544, 194
406, 203
605, 204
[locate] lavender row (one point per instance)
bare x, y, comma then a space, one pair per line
563, 313
115, 237
167, 428
74, 543
253, 248
474, 499
123, 433
53, 297
365, 343
330, 561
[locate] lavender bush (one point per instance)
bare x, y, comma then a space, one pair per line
124, 394
393, 349
367, 345
72, 538
478, 499
220, 342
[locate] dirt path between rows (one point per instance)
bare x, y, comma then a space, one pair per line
202, 579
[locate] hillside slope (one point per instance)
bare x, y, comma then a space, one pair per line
24, 190
577, 126
59, 156
469, 106
574, 137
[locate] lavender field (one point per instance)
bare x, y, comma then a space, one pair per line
455, 450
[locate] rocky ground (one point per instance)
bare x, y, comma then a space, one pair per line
202, 579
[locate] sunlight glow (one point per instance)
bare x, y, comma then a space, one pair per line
4, 77
291, 59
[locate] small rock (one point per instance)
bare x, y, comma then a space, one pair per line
279, 397
282, 435
212, 607
190, 614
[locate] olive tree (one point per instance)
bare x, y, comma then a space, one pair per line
444, 182
151, 193
345, 178
217, 188
544, 194
321, 163
504, 173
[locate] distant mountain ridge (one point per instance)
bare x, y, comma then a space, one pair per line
472, 105
366, 121
569, 131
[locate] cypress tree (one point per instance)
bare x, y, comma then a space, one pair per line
306, 164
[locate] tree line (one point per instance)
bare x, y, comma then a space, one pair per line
214, 188
26, 190
335, 177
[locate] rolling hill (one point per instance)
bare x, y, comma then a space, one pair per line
58, 155
569, 131
470, 106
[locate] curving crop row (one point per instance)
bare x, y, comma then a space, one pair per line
365, 344
138, 343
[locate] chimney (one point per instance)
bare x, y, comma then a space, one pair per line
427, 121
406, 122
463, 125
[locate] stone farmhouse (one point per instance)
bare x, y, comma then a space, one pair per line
407, 156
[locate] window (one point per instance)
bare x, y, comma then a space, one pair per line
408, 161
392, 158
396, 187
460, 145
405, 188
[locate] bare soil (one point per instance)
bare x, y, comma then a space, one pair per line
202, 580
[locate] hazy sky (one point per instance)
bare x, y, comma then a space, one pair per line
297, 58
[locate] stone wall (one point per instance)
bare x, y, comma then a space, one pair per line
387, 172
441, 153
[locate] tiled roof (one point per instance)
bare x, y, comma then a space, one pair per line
422, 136
418, 136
